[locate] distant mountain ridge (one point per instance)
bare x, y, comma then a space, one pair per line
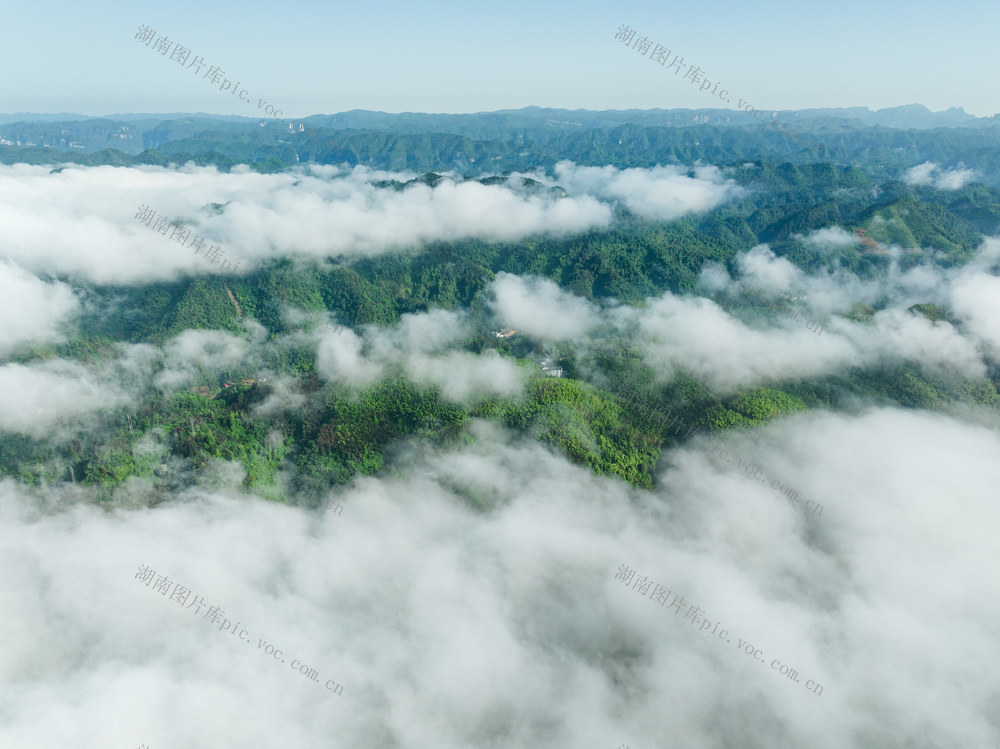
520, 140
908, 116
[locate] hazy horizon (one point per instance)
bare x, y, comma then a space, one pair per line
111, 115
449, 57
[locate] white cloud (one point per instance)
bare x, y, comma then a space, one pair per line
762, 268
699, 336
469, 599
467, 378
81, 221
39, 397
831, 237
899, 337
662, 192
194, 353
930, 173
538, 307
31, 309
922, 174
425, 332
339, 358
976, 300
420, 346
728, 353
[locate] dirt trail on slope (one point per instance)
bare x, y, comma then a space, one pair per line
235, 303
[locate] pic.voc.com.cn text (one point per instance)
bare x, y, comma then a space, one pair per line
663, 596
180, 595
754, 472
662, 55
180, 54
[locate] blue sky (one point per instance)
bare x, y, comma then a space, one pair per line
443, 56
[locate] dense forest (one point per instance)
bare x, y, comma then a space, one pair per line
478, 144
607, 413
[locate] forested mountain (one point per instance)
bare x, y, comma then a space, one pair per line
605, 412
503, 124
520, 140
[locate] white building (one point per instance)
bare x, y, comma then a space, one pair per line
549, 367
